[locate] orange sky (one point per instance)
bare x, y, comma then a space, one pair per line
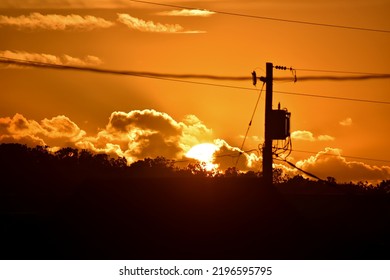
61, 108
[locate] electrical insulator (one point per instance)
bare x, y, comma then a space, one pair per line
254, 78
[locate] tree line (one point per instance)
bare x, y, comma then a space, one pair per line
17, 160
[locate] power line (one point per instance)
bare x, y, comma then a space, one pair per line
180, 78
300, 169
338, 72
334, 78
183, 76
361, 76
346, 156
326, 154
238, 154
161, 77
268, 18
156, 75
250, 122
334, 97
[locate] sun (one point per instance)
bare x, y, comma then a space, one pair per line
204, 153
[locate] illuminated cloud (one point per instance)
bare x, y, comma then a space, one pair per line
330, 163
64, 4
88, 60
61, 127
305, 135
140, 134
75, 4
346, 122
187, 13
325, 138
147, 133
229, 156
57, 131
55, 22
134, 135
302, 135
194, 132
150, 26
20, 130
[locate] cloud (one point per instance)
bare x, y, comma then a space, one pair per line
305, 135
331, 163
64, 4
187, 13
65, 59
325, 138
75, 4
346, 122
148, 133
61, 127
302, 135
139, 134
55, 22
136, 135
227, 156
57, 131
194, 132
150, 26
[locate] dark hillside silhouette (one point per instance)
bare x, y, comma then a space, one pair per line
77, 205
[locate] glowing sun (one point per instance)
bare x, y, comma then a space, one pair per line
204, 153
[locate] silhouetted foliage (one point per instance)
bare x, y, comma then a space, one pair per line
158, 167
331, 180
232, 172
279, 177
74, 163
384, 187
73, 204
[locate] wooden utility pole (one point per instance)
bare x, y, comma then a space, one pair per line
267, 149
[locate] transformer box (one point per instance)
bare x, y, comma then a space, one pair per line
280, 129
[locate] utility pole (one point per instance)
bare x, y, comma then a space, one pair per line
267, 149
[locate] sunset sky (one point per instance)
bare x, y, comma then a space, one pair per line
139, 117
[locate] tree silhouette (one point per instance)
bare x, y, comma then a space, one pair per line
231, 172
19, 160
61, 205
384, 187
157, 167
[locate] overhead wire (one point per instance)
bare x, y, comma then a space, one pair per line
287, 148
20, 62
181, 78
162, 77
250, 123
333, 97
156, 75
337, 71
176, 77
335, 78
300, 169
318, 24
345, 156
173, 78
278, 158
